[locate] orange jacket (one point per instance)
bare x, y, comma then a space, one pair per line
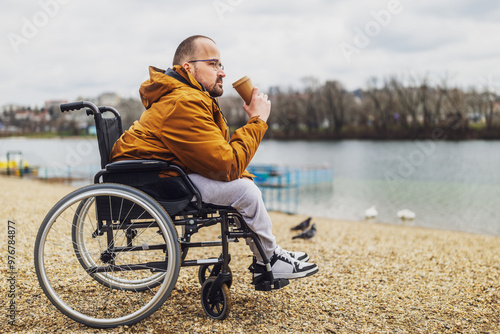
184, 125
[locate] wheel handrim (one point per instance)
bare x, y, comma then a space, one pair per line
150, 299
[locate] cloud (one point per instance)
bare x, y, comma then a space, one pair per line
485, 10
89, 47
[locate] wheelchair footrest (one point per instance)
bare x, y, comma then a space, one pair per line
268, 286
263, 280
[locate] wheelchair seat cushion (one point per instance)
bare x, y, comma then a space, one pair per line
170, 192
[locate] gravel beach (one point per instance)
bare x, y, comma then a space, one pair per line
373, 278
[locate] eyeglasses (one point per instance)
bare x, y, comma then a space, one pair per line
215, 63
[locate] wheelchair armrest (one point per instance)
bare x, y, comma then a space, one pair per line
152, 165
136, 166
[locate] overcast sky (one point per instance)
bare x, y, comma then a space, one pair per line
62, 49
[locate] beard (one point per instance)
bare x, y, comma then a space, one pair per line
216, 89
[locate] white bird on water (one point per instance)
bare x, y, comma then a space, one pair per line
406, 214
371, 212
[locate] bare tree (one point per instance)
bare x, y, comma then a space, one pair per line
431, 100
456, 118
480, 106
409, 100
425, 94
335, 100
130, 111
314, 113
437, 102
288, 112
489, 99
384, 103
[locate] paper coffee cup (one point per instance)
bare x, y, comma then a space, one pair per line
244, 87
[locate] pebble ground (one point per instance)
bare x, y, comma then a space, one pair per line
373, 278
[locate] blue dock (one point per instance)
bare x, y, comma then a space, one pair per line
281, 185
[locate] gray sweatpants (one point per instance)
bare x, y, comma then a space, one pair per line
243, 195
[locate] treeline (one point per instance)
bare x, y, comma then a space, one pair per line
395, 108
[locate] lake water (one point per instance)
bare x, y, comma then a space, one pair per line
449, 185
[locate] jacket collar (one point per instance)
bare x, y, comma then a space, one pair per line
180, 74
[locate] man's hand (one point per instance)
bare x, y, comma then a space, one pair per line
259, 105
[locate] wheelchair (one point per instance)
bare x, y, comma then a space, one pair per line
109, 254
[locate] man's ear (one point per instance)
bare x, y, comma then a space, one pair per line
188, 67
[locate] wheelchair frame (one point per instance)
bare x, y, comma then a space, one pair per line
127, 204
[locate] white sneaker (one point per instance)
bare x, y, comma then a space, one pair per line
284, 266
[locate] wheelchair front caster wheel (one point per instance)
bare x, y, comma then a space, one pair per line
219, 306
209, 270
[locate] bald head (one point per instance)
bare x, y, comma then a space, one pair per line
189, 49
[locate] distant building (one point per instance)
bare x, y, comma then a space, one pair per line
53, 103
53, 107
40, 116
108, 99
10, 108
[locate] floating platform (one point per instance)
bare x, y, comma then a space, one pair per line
281, 184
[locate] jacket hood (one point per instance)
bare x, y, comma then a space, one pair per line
162, 82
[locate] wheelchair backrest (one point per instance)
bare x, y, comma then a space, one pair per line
108, 129
108, 132
174, 193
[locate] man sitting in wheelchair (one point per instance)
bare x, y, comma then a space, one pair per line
184, 125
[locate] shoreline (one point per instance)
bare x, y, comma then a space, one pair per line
70, 183
373, 277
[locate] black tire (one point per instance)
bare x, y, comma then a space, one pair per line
73, 287
218, 307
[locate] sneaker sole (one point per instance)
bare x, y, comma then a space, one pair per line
296, 275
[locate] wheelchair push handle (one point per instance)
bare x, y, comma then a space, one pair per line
79, 105
104, 109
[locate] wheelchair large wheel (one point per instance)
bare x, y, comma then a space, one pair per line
85, 244
117, 265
